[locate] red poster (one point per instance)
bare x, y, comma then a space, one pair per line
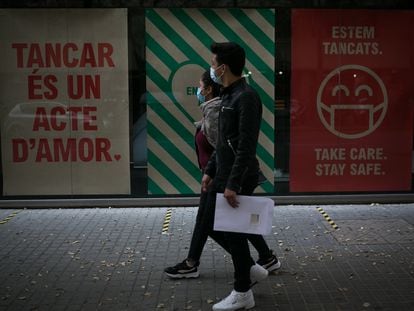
351, 98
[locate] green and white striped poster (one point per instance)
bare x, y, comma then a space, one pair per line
177, 53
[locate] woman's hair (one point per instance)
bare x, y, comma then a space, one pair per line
209, 82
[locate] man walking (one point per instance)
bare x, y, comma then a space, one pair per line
233, 168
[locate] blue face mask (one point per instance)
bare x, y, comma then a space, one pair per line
201, 98
214, 77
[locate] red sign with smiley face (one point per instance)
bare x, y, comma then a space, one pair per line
351, 99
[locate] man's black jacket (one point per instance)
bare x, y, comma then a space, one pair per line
234, 159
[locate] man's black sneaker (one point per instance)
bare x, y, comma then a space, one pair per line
270, 264
182, 270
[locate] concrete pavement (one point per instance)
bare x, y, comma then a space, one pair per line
113, 259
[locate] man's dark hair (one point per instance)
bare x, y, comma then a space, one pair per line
209, 82
230, 54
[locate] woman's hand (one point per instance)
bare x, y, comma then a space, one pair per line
205, 182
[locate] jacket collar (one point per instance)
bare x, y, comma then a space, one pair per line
234, 85
215, 100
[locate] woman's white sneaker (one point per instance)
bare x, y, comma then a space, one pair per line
235, 301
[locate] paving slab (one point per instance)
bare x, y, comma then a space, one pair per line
113, 259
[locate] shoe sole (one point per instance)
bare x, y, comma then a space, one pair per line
192, 275
273, 267
245, 307
250, 306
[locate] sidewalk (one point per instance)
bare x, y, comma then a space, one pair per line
113, 259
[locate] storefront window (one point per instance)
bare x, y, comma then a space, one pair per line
100, 101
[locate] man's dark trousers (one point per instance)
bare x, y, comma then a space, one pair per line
234, 243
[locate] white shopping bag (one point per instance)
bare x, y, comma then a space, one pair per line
254, 215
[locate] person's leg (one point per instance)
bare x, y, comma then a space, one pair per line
200, 234
242, 260
241, 296
188, 268
245, 270
234, 243
260, 245
203, 226
257, 241
206, 223
266, 257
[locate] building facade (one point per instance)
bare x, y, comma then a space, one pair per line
98, 98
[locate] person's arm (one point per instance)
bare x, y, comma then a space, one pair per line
209, 172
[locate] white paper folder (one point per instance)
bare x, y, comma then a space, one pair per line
254, 215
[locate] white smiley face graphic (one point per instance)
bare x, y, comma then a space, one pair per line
352, 101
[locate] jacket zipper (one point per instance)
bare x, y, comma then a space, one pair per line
231, 146
226, 108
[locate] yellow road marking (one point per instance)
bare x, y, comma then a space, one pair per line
166, 224
328, 219
8, 218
